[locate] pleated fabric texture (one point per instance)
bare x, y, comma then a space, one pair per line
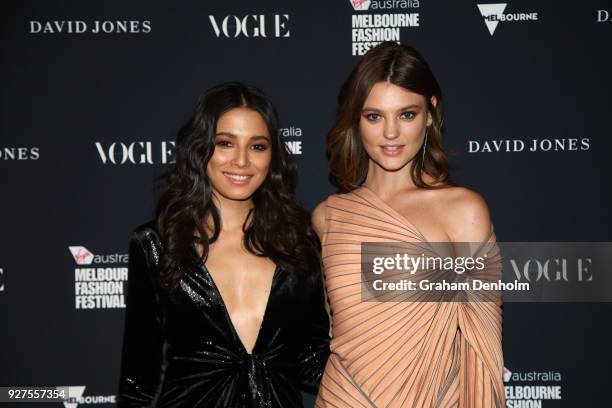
400, 354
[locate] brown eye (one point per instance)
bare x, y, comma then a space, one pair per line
224, 143
260, 147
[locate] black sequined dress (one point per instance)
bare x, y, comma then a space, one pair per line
181, 350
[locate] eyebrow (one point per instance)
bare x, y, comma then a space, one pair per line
233, 136
414, 105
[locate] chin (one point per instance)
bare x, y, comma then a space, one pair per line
392, 164
234, 194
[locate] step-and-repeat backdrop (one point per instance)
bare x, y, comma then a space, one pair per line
94, 92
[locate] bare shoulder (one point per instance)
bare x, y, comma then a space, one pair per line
318, 218
466, 215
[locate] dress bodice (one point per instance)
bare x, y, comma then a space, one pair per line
181, 349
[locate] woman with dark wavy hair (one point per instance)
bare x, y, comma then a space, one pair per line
225, 304
386, 155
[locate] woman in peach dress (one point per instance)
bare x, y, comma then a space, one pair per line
386, 157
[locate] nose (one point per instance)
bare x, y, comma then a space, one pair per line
391, 129
241, 157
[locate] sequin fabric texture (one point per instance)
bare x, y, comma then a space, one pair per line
181, 349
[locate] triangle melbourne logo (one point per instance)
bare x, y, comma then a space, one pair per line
492, 14
74, 394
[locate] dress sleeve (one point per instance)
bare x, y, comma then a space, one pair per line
143, 357
314, 354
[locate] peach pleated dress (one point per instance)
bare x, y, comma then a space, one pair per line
400, 354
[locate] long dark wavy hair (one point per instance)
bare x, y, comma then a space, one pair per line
277, 227
403, 66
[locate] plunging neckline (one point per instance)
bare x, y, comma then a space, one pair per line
230, 322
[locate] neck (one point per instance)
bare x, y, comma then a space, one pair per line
232, 213
387, 183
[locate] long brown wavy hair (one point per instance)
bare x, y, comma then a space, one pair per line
278, 226
403, 66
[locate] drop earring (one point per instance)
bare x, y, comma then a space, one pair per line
424, 146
